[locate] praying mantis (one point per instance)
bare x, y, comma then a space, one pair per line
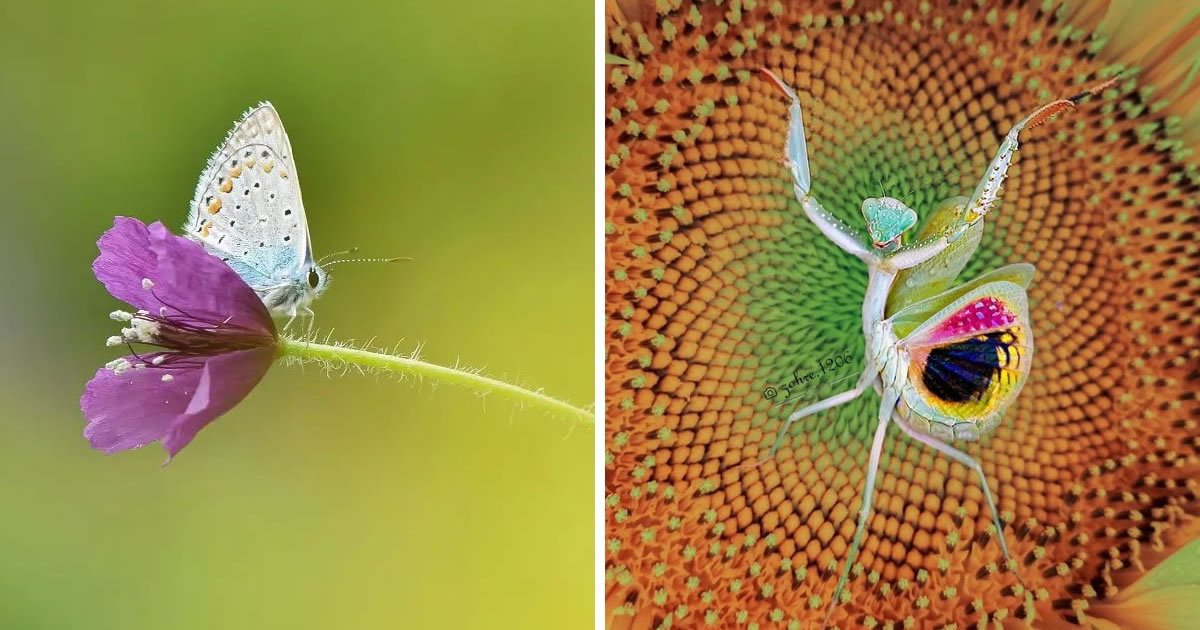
946, 361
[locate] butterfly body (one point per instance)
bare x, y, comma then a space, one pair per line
947, 361
248, 211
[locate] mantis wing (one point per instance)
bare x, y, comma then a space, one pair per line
910, 317
934, 275
969, 361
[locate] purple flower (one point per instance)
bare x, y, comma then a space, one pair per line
211, 340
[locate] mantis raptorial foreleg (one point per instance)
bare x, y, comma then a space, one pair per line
842, 235
988, 187
797, 147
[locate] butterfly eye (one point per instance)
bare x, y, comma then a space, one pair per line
313, 278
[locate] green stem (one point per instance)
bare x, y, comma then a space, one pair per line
328, 354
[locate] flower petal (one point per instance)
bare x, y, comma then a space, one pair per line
125, 258
134, 408
225, 381
137, 407
192, 281
186, 278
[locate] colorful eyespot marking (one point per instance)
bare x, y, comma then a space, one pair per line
973, 362
964, 371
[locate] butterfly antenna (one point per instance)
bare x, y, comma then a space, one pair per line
328, 256
378, 260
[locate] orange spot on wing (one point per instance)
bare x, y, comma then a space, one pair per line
269, 166
204, 230
227, 186
250, 163
215, 207
235, 173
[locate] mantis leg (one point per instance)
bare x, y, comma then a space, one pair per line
797, 148
969, 462
796, 159
890, 397
988, 187
828, 403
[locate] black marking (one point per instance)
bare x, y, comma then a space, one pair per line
264, 153
220, 239
220, 180
235, 162
963, 371
246, 192
286, 239
256, 184
247, 154
287, 211
231, 222
208, 199
272, 195
262, 244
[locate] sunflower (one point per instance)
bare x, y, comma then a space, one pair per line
721, 296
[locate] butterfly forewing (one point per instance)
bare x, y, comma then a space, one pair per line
247, 207
969, 361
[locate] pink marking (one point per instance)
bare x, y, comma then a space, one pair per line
986, 313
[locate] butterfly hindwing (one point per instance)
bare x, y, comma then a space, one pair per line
969, 361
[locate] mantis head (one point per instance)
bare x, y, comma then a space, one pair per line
887, 219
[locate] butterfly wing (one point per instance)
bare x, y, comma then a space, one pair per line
247, 207
934, 275
969, 361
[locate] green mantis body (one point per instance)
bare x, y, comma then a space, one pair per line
946, 361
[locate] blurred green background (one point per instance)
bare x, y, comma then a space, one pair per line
461, 136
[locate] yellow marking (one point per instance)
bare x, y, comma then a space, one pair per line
215, 207
283, 174
250, 163
235, 173
227, 186
204, 230
270, 165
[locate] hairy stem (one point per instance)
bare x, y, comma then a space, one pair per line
376, 361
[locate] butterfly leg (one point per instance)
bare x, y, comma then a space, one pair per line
890, 397
969, 462
312, 319
829, 403
289, 321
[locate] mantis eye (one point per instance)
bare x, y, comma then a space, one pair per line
313, 278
